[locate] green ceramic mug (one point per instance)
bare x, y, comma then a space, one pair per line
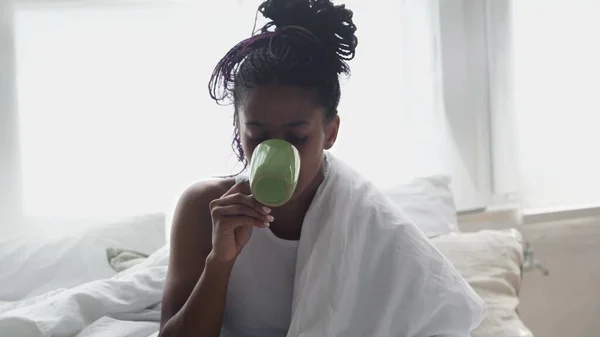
274, 171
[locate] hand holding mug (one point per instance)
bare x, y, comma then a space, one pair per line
233, 217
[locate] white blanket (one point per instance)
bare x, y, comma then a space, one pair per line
126, 305
363, 269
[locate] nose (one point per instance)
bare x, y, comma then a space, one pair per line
276, 133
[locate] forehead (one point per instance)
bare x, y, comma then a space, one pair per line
276, 104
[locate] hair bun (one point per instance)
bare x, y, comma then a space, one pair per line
331, 24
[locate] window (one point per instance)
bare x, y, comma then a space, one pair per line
556, 53
115, 118
113, 106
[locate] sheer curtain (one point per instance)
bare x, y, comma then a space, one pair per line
115, 118
413, 106
10, 205
390, 106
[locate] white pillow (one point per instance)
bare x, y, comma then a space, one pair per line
429, 203
491, 261
30, 266
144, 234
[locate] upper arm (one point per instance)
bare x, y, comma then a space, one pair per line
191, 235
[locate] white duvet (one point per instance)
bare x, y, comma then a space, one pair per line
363, 269
126, 305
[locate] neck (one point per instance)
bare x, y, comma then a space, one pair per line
289, 217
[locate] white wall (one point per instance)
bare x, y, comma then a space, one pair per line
9, 178
557, 71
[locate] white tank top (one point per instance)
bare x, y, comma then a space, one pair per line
259, 298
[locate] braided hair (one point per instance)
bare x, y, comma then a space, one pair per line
305, 44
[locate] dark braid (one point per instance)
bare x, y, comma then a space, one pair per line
306, 44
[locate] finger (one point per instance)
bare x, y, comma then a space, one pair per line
242, 235
241, 187
241, 198
239, 210
241, 220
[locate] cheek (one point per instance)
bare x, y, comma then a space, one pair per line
309, 165
248, 147
311, 153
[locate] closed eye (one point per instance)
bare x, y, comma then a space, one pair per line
258, 140
297, 140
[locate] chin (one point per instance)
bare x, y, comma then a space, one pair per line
296, 194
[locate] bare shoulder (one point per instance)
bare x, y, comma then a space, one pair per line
191, 242
203, 192
192, 224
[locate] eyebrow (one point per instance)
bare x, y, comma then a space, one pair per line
287, 125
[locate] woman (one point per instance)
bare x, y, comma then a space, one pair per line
284, 84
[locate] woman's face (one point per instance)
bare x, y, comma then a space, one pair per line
291, 114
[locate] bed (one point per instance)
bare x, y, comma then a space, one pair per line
107, 280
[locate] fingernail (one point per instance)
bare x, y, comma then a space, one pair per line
267, 224
270, 218
266, 209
